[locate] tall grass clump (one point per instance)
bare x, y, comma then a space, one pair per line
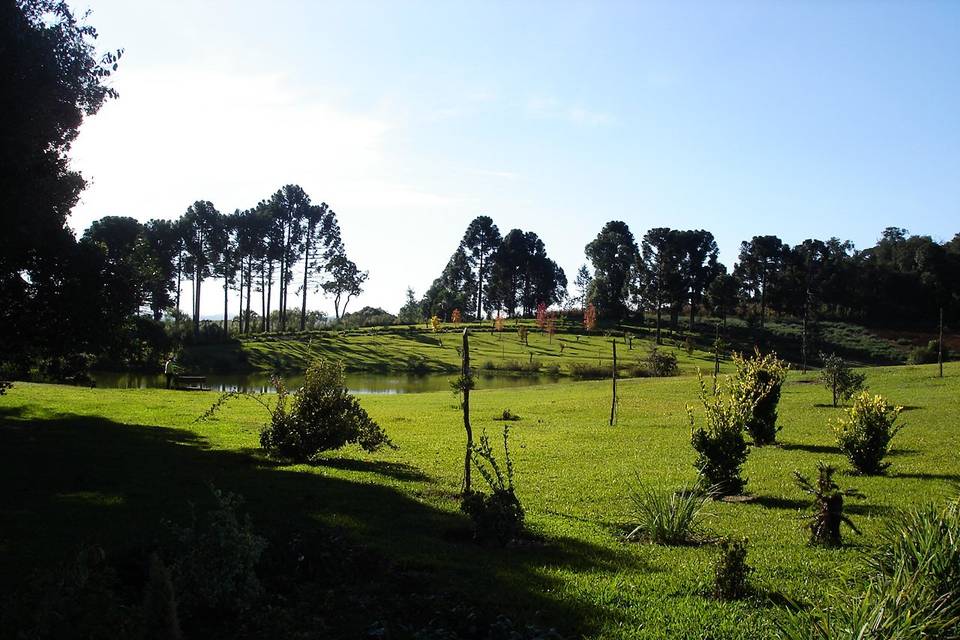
666, 517
758, 380
865, 430
911, 591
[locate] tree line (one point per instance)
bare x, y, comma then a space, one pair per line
904, 279
284, 241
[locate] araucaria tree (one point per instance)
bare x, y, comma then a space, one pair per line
659, 278
613, 254
201, 226
480, 241
760, 265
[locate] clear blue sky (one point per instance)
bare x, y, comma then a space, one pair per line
800, 119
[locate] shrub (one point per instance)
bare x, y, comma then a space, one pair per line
661, 364
76, 600
321, 416
759, 380
719, 443
730, 571
837, 376
824, 523
924, 542
587, 371
4, 385
216, 558
911, 592
497, 516
864, 433
666, 517
507, 415
928, 354
160, 619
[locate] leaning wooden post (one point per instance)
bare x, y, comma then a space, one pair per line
613, 403
940, 344
465, 379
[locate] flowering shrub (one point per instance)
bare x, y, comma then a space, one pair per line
865, 431
758, 380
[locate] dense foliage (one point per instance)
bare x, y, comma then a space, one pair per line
758, 381
719, 442
730, 570
865, 430
322, 416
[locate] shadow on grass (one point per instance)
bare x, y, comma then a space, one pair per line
809, 448
777, 502
950, 477
68, 479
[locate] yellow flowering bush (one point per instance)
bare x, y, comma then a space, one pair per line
865, 430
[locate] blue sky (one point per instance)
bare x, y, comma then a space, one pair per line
800, 119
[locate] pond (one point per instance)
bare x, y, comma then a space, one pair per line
359, 383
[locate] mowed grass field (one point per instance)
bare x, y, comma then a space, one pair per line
400, 349
110, 466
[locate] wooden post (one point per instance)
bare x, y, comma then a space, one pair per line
940, 344
613, 403
716, 359
465, 376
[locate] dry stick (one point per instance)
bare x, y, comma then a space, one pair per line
940, 344
465, 376
613, 403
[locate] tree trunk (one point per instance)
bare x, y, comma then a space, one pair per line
465, 374
266, 315
613, 401
246, 320
693, 313
226, 328
940, 344
306, 271
480, 285
659, 313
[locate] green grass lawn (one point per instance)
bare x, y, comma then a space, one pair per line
400, 349
109, 466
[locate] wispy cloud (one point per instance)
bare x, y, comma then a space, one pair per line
552, 108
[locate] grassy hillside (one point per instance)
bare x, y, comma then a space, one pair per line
110, 465
416, 349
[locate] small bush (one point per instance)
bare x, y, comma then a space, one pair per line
4, 385
322, 416
160, 618
666, 517
719, 443
587, 371
837, 376
758, 381
927, 354
216, 557
730, 571
824, 523
497, 516
864, 433
507, 415
662, 364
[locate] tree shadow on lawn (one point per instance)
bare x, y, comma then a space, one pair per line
71, 479
809, 448
949, 477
